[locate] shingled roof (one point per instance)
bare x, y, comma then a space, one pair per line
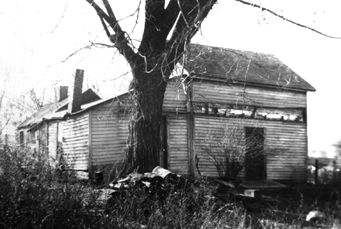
236, 66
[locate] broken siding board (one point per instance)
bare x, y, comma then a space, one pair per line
235, 94
76, 142
178, 146
283, 155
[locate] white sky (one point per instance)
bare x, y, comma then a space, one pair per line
38, 35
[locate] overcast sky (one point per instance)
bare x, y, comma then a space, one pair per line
38, 35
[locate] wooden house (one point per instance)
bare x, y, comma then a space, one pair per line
218, 101
43, 131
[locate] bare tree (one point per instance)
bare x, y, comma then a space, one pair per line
152, 64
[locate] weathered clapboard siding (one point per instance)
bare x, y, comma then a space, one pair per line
76, 141
52, 139
175, 98
178, 143
285, 144
109, 134
237, 94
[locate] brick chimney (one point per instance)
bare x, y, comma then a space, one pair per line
76, 92
63, 92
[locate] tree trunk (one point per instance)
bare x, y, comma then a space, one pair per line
144, 142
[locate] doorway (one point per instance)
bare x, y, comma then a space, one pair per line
255, 164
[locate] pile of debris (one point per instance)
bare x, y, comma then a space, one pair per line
156, 185
161, 183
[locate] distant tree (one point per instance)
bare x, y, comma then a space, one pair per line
5, 116
8, 108
38, 102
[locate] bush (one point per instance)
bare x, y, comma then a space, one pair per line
225, 147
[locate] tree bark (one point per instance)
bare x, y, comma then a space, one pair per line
144, 144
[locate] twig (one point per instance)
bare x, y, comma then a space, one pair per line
61, 18
286, 19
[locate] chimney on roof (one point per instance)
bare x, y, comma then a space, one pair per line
63, 92
76, 92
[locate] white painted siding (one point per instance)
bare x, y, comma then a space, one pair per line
76, 141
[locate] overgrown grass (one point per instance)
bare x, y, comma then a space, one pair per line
35, 195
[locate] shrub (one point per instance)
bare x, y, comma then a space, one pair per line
225, 147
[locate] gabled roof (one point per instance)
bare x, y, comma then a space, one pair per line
232, 66
236, 66
56, 110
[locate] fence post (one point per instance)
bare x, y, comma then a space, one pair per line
316, 171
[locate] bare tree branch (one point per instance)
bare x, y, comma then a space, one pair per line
286, 19
193, 13
118, 38
109, 9
92, 44
61, 18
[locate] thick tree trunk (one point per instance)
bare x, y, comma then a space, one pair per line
144, 145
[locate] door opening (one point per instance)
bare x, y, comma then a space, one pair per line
255, 165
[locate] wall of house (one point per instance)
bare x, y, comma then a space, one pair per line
285, 140
109, 134
285, 144
75, 141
